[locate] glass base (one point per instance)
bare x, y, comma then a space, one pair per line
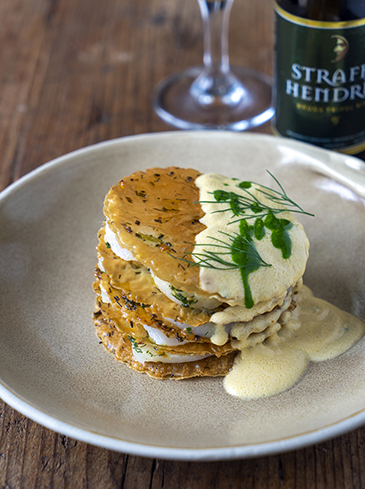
174, 103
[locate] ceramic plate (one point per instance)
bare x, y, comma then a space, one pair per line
52, 367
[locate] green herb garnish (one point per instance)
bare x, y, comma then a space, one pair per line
240, 204
242, 251
135, 345
181, 296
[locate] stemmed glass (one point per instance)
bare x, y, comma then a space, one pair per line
215, 96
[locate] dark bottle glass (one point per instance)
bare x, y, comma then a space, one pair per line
319, 93
325, 10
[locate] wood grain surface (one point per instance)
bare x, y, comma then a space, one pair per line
76, 72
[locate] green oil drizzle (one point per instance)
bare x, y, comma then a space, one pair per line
279, 234
242, 246
245, 255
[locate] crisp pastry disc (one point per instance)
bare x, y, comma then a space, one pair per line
118, 344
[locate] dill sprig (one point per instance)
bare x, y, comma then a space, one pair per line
240, 204
237, 245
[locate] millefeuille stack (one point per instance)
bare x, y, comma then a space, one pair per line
161, 313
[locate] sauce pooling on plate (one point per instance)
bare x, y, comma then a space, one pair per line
317, 331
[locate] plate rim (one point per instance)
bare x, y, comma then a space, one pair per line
349, 162
183, 454
250, 450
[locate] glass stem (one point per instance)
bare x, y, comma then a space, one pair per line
216, 85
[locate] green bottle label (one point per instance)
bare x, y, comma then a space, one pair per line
320, 82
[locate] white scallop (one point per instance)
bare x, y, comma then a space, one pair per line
100, 264
104, 295
198, 302
206, 330
146, 353
111, 238
160, 338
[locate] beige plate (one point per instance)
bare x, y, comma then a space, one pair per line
52, 368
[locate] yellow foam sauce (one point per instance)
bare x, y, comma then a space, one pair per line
316, 331
267, 283
220, 336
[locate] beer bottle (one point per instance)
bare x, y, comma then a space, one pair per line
319, 93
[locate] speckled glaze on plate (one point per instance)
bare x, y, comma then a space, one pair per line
52, 368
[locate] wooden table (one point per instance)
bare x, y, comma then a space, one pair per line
76, 72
